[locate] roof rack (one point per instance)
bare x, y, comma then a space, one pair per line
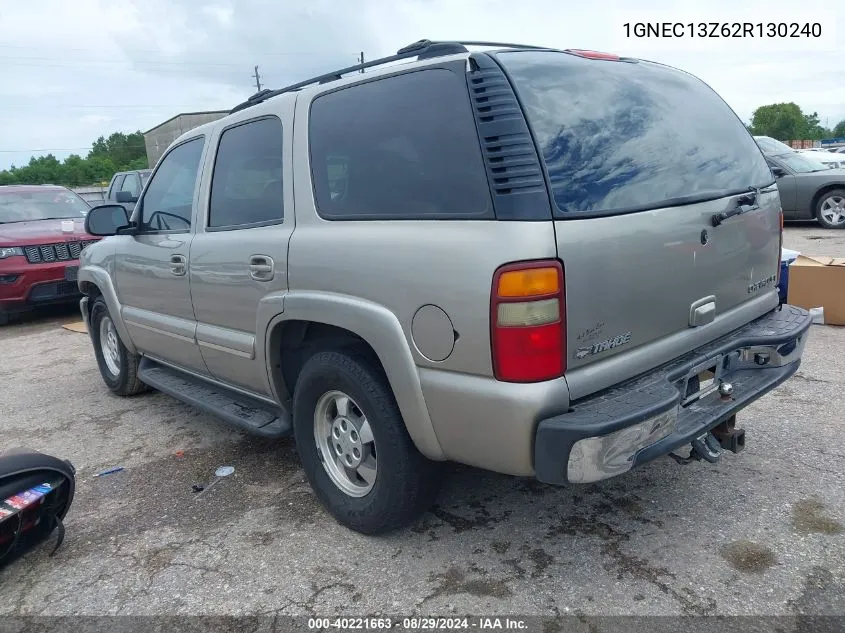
421, 49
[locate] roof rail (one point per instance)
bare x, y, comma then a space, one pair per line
421, 49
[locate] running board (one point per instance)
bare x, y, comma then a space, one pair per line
242, 411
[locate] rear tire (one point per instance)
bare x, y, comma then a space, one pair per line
118, 366
354, 447
830, 209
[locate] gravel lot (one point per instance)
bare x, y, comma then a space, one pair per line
759, 533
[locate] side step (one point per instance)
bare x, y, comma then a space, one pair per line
242, 411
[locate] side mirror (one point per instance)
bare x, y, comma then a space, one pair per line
124, 197
778, 172
106, 219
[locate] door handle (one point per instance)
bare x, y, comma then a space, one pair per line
178, 265
261, 267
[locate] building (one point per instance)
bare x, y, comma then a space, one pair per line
159, 138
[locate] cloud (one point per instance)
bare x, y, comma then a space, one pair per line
95, 119
124, 65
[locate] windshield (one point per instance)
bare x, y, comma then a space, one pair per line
772, 146
23, 206
801, 163
619, 137
145, 176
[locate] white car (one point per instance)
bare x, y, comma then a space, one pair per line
829, 159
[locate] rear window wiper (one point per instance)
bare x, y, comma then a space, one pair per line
742, 204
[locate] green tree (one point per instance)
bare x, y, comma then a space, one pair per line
783, 121
121, 148
839, 129
814, 130
118, 152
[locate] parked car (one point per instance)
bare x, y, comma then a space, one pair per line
828, 159
416, 275
41, 236
770, 145
809, 190
126, 186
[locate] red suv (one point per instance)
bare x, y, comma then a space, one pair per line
42, 232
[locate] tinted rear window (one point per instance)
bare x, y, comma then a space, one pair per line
402, 147
618, 136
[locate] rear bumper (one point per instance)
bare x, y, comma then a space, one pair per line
611, 432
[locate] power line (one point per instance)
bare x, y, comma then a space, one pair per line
63, 149
4, 106
231, 53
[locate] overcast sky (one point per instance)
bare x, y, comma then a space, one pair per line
71, 71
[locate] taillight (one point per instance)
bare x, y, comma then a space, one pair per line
592, 54
528, 321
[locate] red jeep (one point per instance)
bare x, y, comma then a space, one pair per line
42, 232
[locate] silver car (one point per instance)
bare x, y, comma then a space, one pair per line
479, 254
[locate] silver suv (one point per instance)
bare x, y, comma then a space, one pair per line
546, 263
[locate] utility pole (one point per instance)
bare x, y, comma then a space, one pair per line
361, 61
257, 78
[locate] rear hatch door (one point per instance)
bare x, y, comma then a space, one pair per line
640, 157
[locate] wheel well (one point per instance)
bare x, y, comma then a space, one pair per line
819, 195
90, 290
293, 342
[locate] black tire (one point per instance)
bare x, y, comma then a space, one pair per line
4, 318
406, 482
125, 382
827, 195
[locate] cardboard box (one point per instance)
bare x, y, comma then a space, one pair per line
816, 281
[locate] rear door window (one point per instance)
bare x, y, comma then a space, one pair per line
116, 184
403, 147
246, 188
130, 185
618, 137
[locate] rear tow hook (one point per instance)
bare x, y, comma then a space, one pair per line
709, 446
704, 447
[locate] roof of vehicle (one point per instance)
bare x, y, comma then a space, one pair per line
31, 188
418, 51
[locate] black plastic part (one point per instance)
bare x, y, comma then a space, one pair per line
242, 411
656, 392
514, 171
21, 470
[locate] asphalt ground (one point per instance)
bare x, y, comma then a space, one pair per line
759, 533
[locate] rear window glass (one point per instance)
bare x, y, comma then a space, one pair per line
402, 147
772, 146
618, 136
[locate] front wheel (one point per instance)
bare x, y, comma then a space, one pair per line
830, 210
118, 366
354, 447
